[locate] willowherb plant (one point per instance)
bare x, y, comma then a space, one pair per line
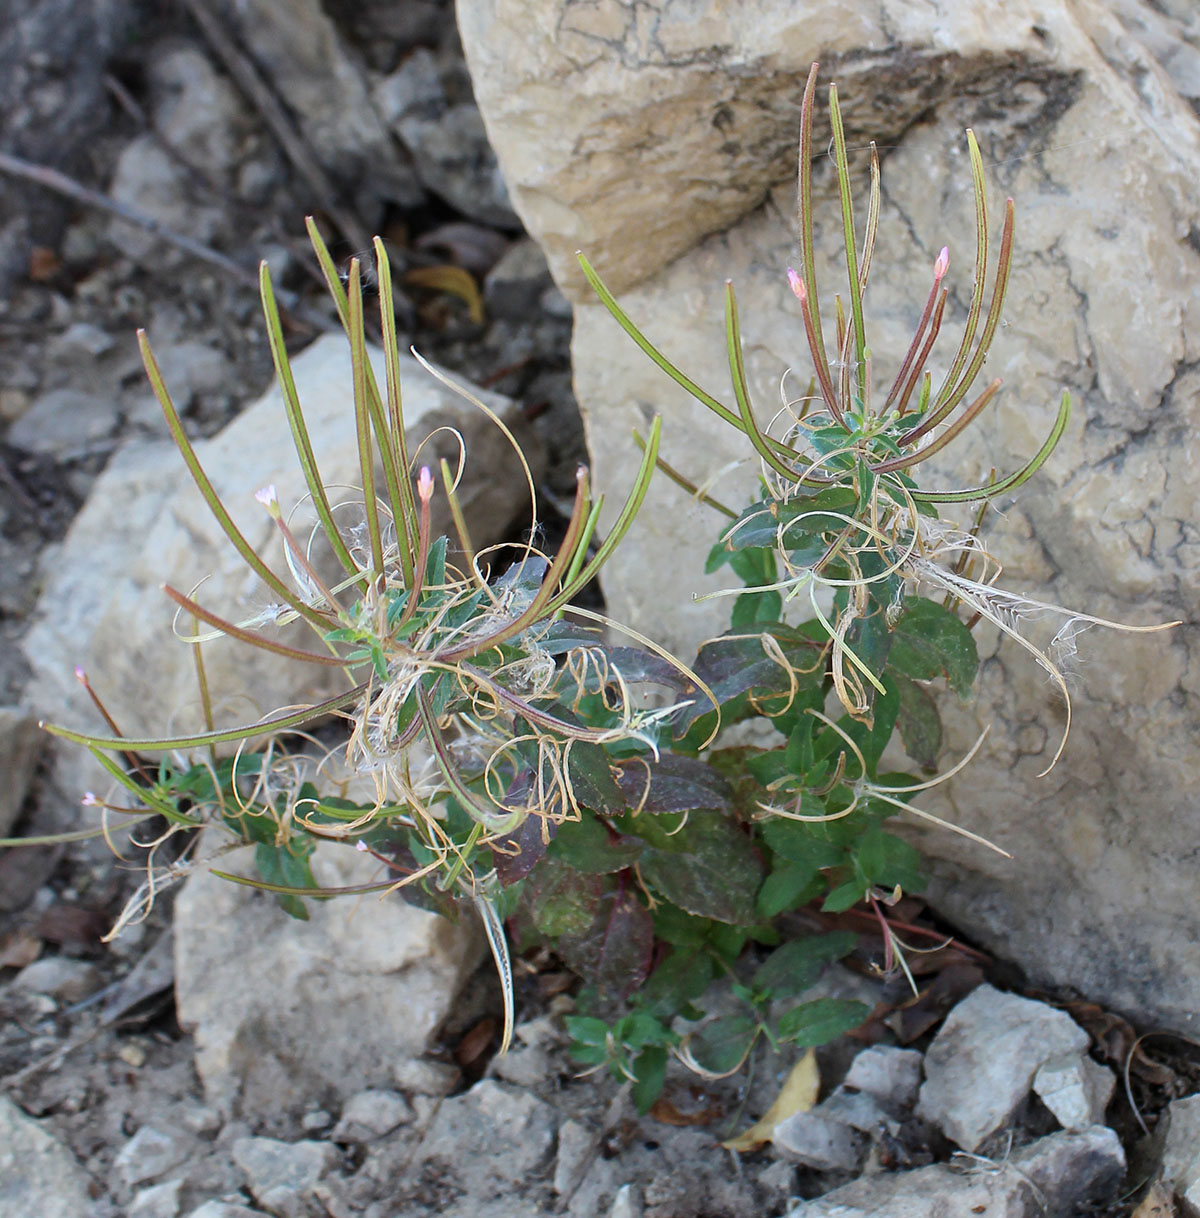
572, 790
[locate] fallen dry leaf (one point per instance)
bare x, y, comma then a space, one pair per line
669, 1113
19, 948
1157, 1203
799, 1094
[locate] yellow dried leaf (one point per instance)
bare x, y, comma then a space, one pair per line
452, 279
1157, 1203
799, 1094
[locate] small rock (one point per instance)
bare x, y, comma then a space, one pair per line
196, 110
82, 338
1181, 1157
149, 1153
280, 1175
148, 178
449, 146
60, 977
371, 1114
13, 404
1068, 1173
553, 302
158, 1201
981, 1064
514, 286
858, 1110
627, 1203
315, 1121
62, 422
190, 368
20, 744
891, 1075
420, 1076
200, 1119
574, 1147
489, 1139
818, 1141
38, 1175
132, 1054
1075, 1089
223, 1209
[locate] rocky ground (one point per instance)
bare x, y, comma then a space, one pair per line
160, 1075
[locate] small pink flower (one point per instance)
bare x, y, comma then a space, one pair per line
942, 265
797, 286
80, 675
89, 800
269, 499
361, 846
425, 484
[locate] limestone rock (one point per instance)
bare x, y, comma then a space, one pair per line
817, 1140
982, 1062
20, 744
371, 1114
1055, 1175
489, 1139
888, 1074
673, 169
449, 146
63, 423
287, 1014
297, 45
1076, 1089
150, 1153
38, 1175
1181, 1156
281, 1175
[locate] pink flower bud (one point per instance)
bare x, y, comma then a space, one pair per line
797, 286
425, 484
942, 264
361, 846
80, 675
89, 799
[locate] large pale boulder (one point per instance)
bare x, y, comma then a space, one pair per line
288, 1015
670, 166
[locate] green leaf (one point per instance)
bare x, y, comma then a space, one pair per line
887, 860
615, 951
676, 784
754, 608
929, 641
590, 772
287, 864
560, 900
845, 896
721, 1045
822, 1020
672, 925
735, 665
712, 869
759, 525
788, 887
589, 846
650, 1072
587, 1030
798, 964
918, 720
803, 843
680, 979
